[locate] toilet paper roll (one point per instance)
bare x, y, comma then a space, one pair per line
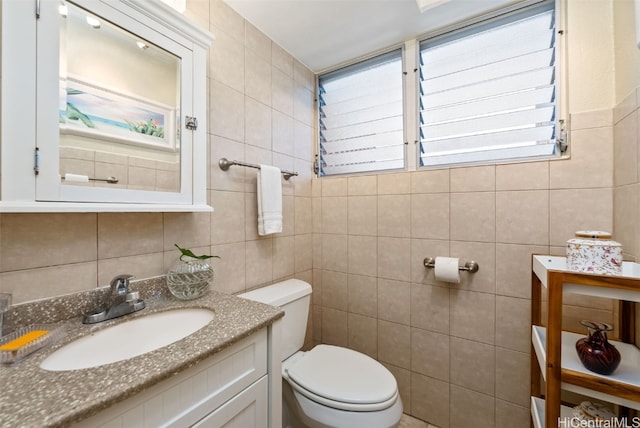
76, 177
446, 269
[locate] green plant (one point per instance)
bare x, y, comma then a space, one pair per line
74, 114
188, 253
150, 127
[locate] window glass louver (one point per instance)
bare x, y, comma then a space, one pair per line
361, 117
489, 93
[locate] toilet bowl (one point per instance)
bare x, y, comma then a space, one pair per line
327, 386
338, 387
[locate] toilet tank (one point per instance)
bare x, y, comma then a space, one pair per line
293, 297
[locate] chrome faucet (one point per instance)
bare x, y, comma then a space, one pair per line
123, 302
120, 287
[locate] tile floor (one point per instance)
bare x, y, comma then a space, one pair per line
411, 422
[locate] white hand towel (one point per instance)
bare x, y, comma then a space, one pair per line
269, 200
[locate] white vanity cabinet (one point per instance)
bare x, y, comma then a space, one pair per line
103, 107
229, 389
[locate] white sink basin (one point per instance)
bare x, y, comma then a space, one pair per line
128, 339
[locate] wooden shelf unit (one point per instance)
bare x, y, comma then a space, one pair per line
553, 354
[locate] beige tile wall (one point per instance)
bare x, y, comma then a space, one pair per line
460, 352
261, 111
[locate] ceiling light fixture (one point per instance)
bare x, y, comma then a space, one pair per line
142, 45
93, 22
424, 5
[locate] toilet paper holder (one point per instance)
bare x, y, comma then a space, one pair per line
471, 267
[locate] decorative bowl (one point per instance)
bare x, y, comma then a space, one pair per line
190, 278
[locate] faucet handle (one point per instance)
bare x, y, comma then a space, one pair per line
120, 284
132, 297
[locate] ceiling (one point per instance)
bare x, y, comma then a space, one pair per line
323, 34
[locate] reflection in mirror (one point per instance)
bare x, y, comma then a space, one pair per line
119, 106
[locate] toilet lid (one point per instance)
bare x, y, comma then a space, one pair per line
344, 376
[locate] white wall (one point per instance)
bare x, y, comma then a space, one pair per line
590, 54
627, 54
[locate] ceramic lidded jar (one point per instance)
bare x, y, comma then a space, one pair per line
594, 251
590, 412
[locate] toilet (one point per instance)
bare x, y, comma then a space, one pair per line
328, 386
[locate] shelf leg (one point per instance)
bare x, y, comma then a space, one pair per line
627, 329
536, 319
627, 321
554, 344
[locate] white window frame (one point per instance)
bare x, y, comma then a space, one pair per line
560, 73
406, 109
410, 58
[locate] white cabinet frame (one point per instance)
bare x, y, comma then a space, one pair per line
29, 88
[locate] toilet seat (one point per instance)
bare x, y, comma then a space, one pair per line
341, 378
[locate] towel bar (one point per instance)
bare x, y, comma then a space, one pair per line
471, 267
225, 163
111, 180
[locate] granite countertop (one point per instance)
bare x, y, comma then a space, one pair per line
33, 397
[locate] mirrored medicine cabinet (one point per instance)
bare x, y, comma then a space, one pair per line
103, 107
